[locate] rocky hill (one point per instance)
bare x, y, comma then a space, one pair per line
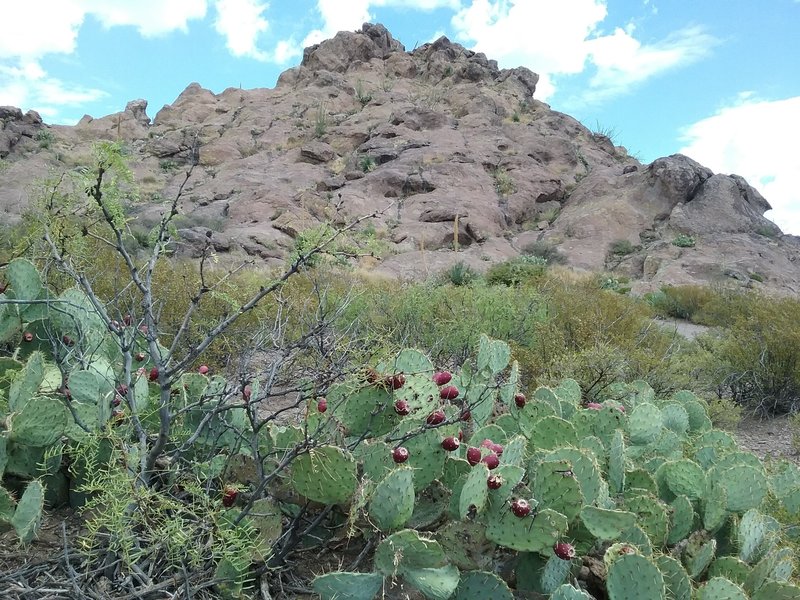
444, 144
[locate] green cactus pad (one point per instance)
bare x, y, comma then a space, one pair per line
641, 479
745, 486
514, 451
554, 574
568, 390
474, 492
545, 395
26, 382
7, 505
493, 355
512, 477
652, 517
465, 545
426, 454
392, 502
567, 592
551, 432
28, 515
437, 583
509, 424
765, 569
555, 486
776, 590
685, 477
606, 524
603, 422
698, 554
511, 386
530, 414
731, 568
676, 580
616, 462
429, 506
42, 422
376, 459
369, 409
3, 454
407, 549
637, 537
491, 432
348, 586
757, 535
24, 279
481, 585
481, 400
719, 588
326, 474
267, 520
785, 484
453, 469
585, 468
681, 519
644, 423
530, 534
675, 418
633, 577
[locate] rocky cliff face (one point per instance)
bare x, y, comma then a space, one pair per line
439, 140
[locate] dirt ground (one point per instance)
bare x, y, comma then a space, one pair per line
767, 437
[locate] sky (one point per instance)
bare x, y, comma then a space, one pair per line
717, 80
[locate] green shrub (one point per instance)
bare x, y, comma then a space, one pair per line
682, 302
460, 274
621, 248
546, 251
683, 241
516, 271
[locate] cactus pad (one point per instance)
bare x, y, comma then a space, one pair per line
348, 586
681, 519
719, 588
480, 585
532, 534
474, 492
676, 580
567, 592
392, 502
41, 422
28, 515
644, 423
606, 524
326, 474
633, 577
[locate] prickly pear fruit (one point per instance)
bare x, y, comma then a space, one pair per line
473, 455
594, 406
203, 370
229, 496
322, 405
436, 417
153, 374
400, 454
564, 551
519, 400
450, 443
371, 375
442, 377
449, 392
122, 389
494, 482
68, 341
246, 392
466, 415
395, 381
140, 357
401, 408
127, 319
27, 336
520, 508
491, 461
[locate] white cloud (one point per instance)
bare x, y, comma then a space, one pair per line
241, 22
28, 85
622, 61
286, 50
755, 139
58, 22
563, 38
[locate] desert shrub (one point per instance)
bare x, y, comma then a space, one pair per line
724, 413
682, 302
546, 251
683, 241
516, 271
621, 248
460, 274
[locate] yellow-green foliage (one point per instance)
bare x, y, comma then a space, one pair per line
683, 301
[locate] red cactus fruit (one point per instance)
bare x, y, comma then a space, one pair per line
400, 455
436, 417
519, 400
466, 415
487, 443
153, 374
564, 551
203, 370
246, 392
497, 449
322, 405
494, 482
491, 461
520, 508
229, 496
396, 381
594, 406
68, 341
27, 336
401, 408
442, 377
473, 455
449, 392
450, 443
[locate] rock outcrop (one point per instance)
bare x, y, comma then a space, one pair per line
443, 144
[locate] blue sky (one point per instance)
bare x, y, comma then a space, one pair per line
718, 80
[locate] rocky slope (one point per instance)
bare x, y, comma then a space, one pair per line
443, 143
